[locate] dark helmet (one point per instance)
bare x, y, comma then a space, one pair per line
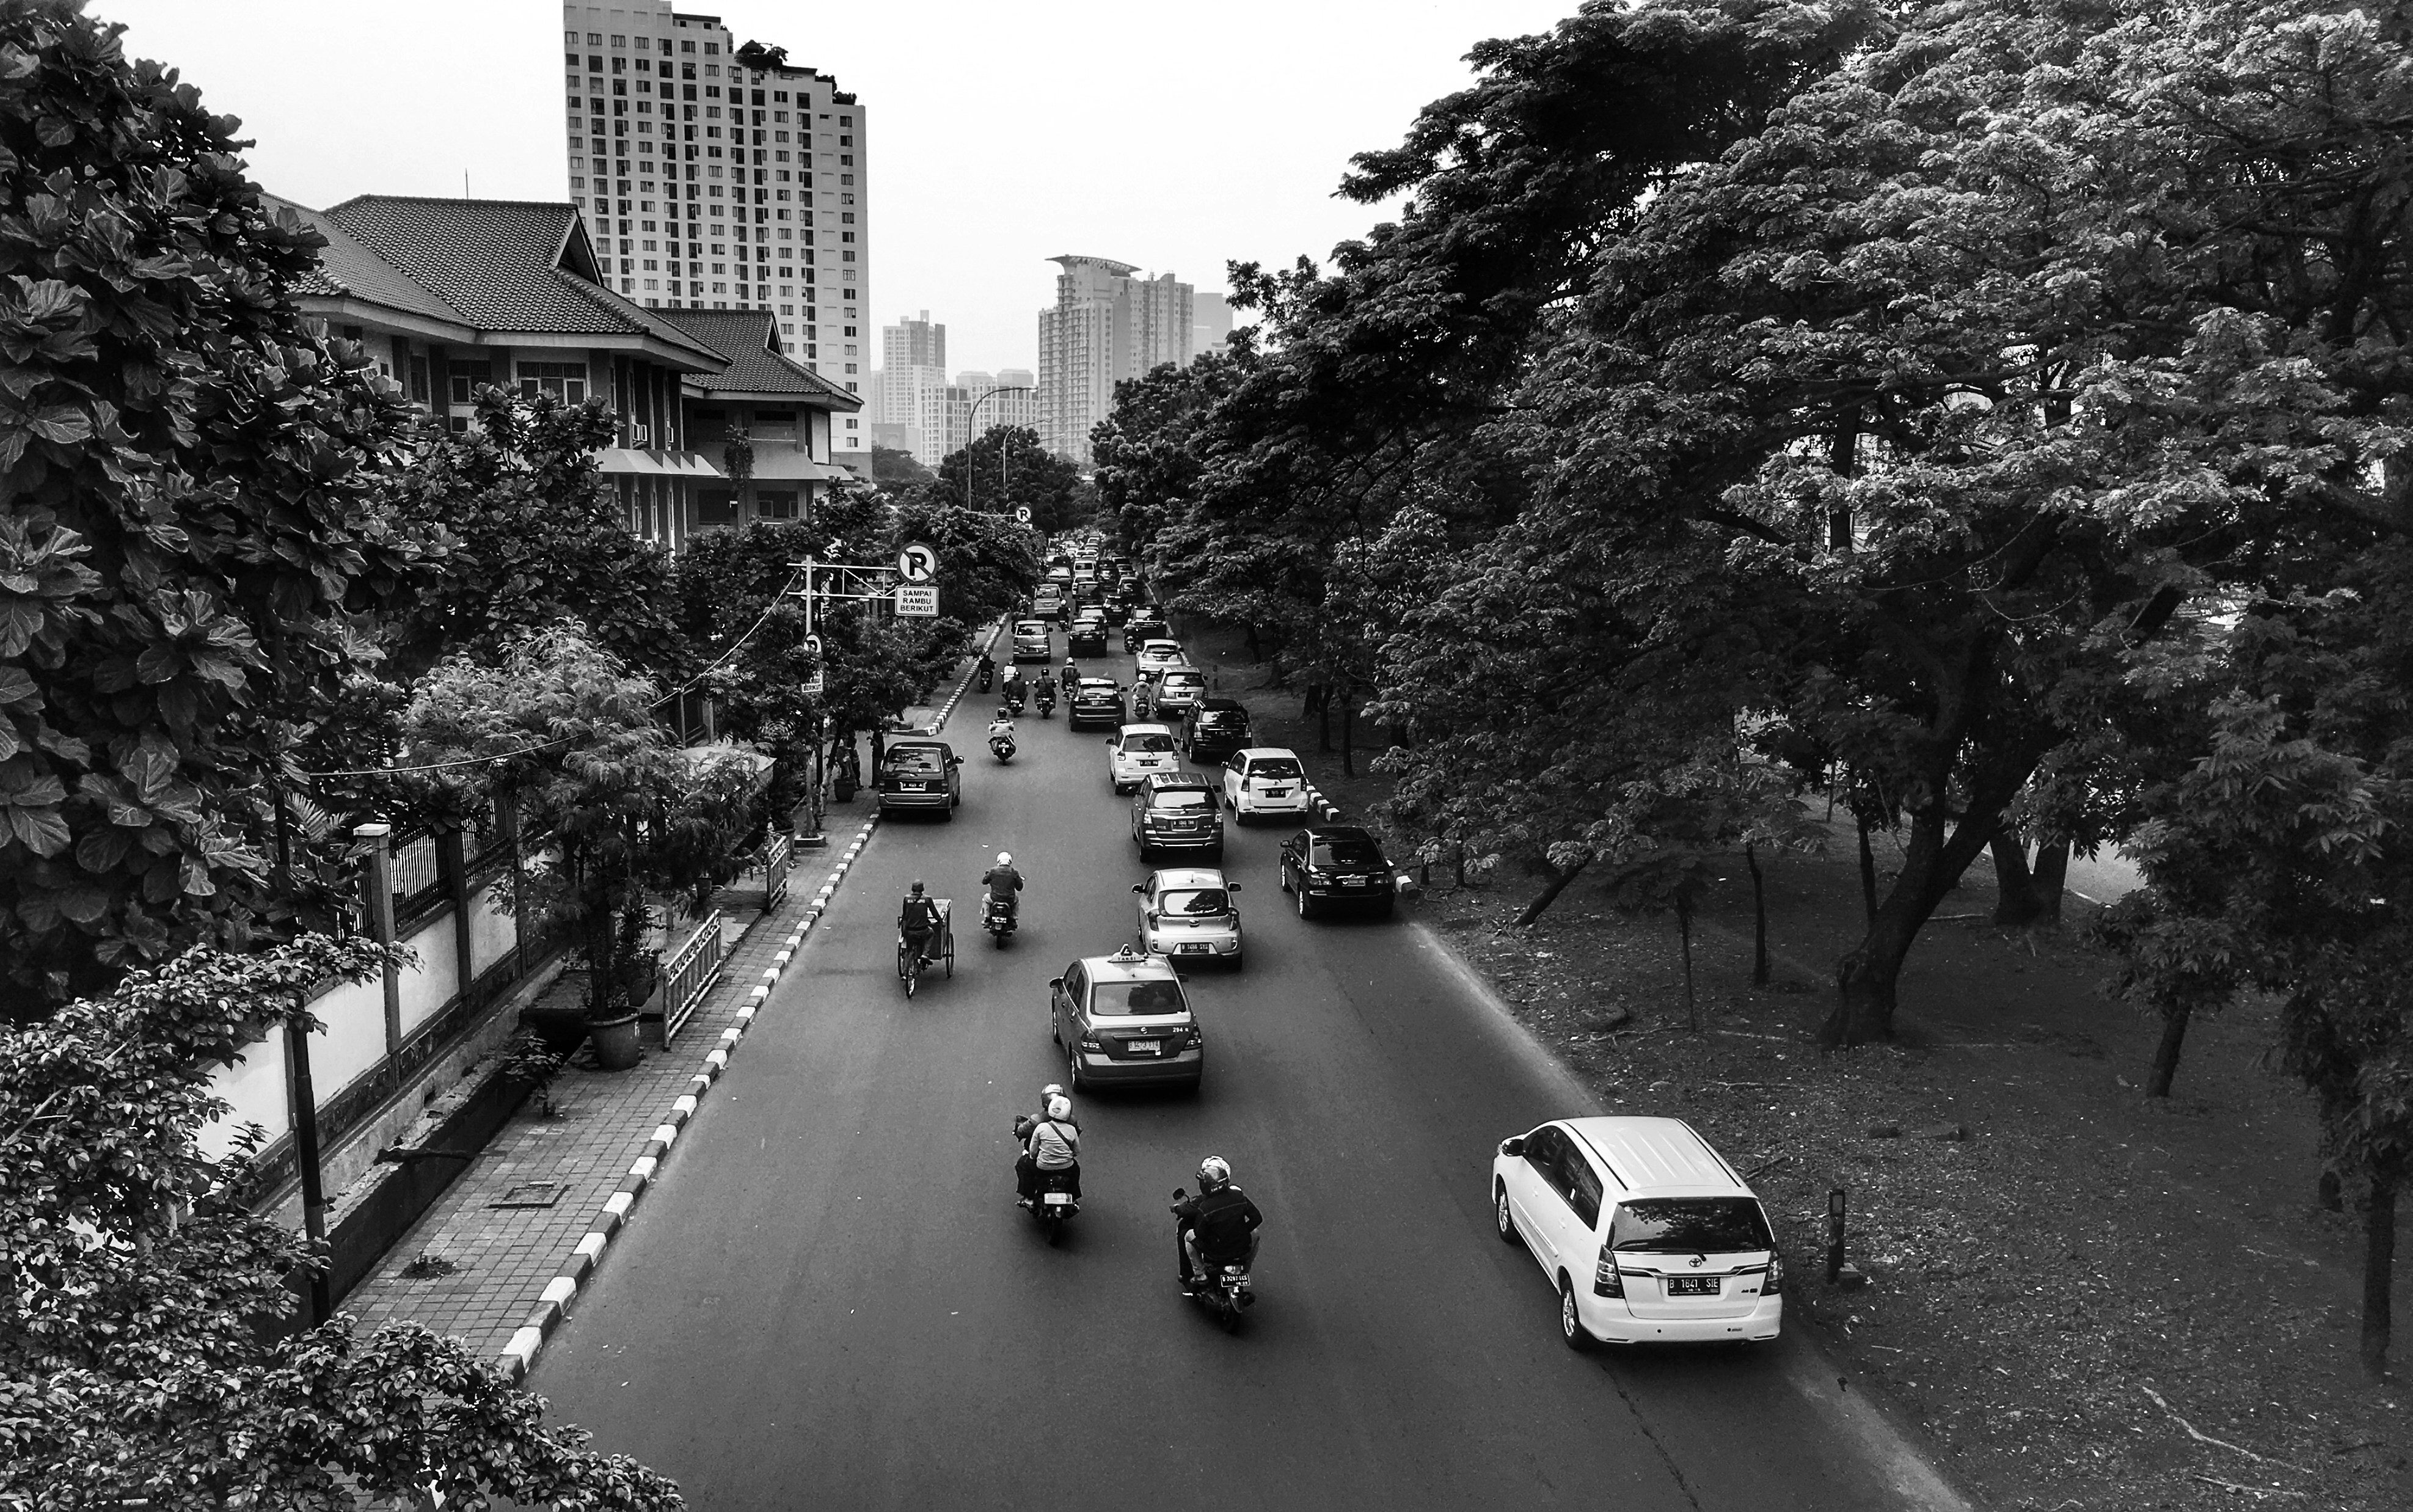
917, 886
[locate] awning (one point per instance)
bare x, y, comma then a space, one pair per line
622, 461
792, 467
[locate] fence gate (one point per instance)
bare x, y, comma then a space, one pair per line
692, 971
778, 854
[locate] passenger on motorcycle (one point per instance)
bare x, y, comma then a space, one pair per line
1003, 882
1016, 689
1051, 1142
918, 921
1217, 1227
1003, 724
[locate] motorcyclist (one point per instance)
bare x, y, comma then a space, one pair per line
1015, 688
1051, 1142
1003, 882
1217, 1227
1071, 675
1003, 724
1046, 686
987, 670
917, 920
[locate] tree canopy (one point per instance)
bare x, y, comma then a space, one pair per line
1031, 476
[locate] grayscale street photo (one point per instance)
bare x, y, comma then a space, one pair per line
1402, 755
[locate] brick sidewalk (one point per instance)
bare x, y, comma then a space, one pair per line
502, 1257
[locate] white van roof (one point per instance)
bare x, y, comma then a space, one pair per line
1657, 1156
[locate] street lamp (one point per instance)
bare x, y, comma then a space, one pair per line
972, 424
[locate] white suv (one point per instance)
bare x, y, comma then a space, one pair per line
1136, 750
1264, 780
1647, 1234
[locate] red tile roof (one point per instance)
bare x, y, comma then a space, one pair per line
750, 340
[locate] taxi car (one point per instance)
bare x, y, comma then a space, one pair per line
1336, 864
1646, 1232
1176, 811
1155, 656
1264, 780
1187, 913
1135, 752
1213, 727
1032, 642
920, 776
1123, 1019
1178, 690
1094, 700
1088, 636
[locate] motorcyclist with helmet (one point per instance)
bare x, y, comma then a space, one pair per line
1003, 883
1218, 1227
1051, 1143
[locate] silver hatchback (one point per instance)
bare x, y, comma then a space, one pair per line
1188, 914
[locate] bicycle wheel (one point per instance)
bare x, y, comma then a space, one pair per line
951, 956
912, 976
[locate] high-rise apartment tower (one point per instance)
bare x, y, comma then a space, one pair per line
716, 179
1105, 326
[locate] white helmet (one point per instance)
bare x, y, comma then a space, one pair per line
1051, 1090
1214, 1173
1003, 859
1059, 1108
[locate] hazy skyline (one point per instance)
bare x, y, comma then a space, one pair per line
1175, 137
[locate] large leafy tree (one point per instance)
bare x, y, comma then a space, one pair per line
1007, 468
147, 1352
190, 520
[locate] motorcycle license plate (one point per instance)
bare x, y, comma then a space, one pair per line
1142, 1046
1692, 1285
1058, 1199
1192, 950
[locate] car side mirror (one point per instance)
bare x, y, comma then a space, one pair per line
1055, 984
1180, 1194
1139, 888
1512, 1146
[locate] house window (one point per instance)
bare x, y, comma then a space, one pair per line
776, 504
565, 382
775, 425
716, 506
467, 379
709, 425
419, 381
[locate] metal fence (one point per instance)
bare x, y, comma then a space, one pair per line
691, 974
779, 855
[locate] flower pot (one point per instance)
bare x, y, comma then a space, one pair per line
616, 1042
562, 1026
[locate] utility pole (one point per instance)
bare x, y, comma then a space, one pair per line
973, 424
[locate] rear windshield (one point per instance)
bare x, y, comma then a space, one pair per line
1276, 767
1690, 1225
1030, 627
1353, 852
1180, 798
1155, 742
920, 761
1120, 1000
1221, 717
1195, 901
1162, 648
1183, 679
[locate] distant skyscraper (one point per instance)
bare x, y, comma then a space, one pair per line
1210, 325
912, 369
674, 140
1105, 326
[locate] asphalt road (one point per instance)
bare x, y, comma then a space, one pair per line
830, 1299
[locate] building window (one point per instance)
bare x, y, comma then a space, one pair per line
565, 381
467, 379
716, 506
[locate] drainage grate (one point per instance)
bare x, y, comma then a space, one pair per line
530, 1194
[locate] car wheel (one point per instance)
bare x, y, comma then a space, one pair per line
1282, 876
1571, 1328
1054, 1035
1073, 1072
1301, 893
1501, 1219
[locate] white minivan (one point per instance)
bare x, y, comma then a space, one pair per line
1264, 780
1649, 1235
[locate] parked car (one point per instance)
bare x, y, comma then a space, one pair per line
921, 777
1648, 1234
1213, 727
1178, 690
1157, 655
1032, 642
1264, 780
1145, 625
1094, 700
1088, 636
1124, 1019
1336, 864
1136, 751
1189, 913
1176, 811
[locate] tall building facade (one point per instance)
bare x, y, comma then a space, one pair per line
712, 180
912, 384
1105, 326
1007, 397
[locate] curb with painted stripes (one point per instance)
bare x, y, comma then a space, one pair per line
1325, 809
938, 721
519, 1355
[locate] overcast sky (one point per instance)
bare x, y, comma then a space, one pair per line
1173, 135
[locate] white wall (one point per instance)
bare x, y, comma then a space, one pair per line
255, 1087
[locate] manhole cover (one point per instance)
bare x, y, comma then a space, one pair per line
529, 1194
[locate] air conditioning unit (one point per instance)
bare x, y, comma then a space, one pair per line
636, 436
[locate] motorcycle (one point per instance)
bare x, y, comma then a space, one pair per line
999, 920
1001, 747
987, 674
1228, 1291
1055, 1205
1013, 698
1046, 702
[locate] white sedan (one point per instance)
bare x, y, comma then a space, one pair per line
1136, 750
1187, 913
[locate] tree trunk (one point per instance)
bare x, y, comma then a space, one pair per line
1868, 870
2050, 878
2166, 1055
1758, 919
1320, 699
2015, 904
1550, 894
1348, 729
2379, 1264
1684, 943
1930, 863
600, 978
1256, 650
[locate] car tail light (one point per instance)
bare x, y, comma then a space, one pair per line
1089, 1043
1606, 1281
1775, 1276
1197, 1037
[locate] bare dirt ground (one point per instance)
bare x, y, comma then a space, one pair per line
2095, 1300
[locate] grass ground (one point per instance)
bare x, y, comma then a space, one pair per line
2095, 1300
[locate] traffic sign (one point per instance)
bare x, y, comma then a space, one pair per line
815, 684
917, 601
1022, 514
813, 645
917, 563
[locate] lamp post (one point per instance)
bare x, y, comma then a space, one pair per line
972, 424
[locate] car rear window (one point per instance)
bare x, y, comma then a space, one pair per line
1156, 742
1131, 1000
1180, 798
915, 761
1274, 767
1183, 679
1690, 1225
1221, 717
1351, 852
1195, 901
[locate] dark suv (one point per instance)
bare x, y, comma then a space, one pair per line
1095, 701
1177, 811
1214, 729
1088, 636
1145, 625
